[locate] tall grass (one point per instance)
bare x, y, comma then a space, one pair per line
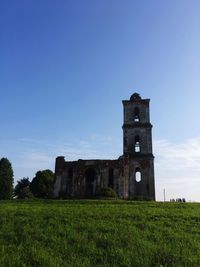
99, 233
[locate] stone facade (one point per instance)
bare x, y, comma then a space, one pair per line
130, 176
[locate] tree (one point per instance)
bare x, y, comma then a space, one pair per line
6, 179
42, 184
22, 189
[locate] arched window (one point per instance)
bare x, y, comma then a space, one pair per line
111, 178
136, 115
147, 188
70, 173
137, 148
138, 175
69, 181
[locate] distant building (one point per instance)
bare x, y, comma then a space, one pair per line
130, 176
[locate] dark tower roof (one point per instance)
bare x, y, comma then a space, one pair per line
135, 96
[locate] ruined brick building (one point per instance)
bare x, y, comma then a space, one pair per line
131, 175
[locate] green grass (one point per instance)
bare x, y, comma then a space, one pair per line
99, 233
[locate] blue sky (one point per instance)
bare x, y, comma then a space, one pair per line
66, 65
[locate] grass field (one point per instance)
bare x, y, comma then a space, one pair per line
99, 233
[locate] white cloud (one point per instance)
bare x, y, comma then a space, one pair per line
178, 157
177, 168
37, 159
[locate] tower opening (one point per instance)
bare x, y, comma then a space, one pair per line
137, 147
136, 115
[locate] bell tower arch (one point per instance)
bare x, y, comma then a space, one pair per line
137, 148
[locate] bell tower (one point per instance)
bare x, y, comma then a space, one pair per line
137, 148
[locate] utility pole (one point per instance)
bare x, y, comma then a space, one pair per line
164, 194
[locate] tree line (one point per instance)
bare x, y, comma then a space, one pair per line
41, 185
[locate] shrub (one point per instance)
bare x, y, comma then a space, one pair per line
105, 192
